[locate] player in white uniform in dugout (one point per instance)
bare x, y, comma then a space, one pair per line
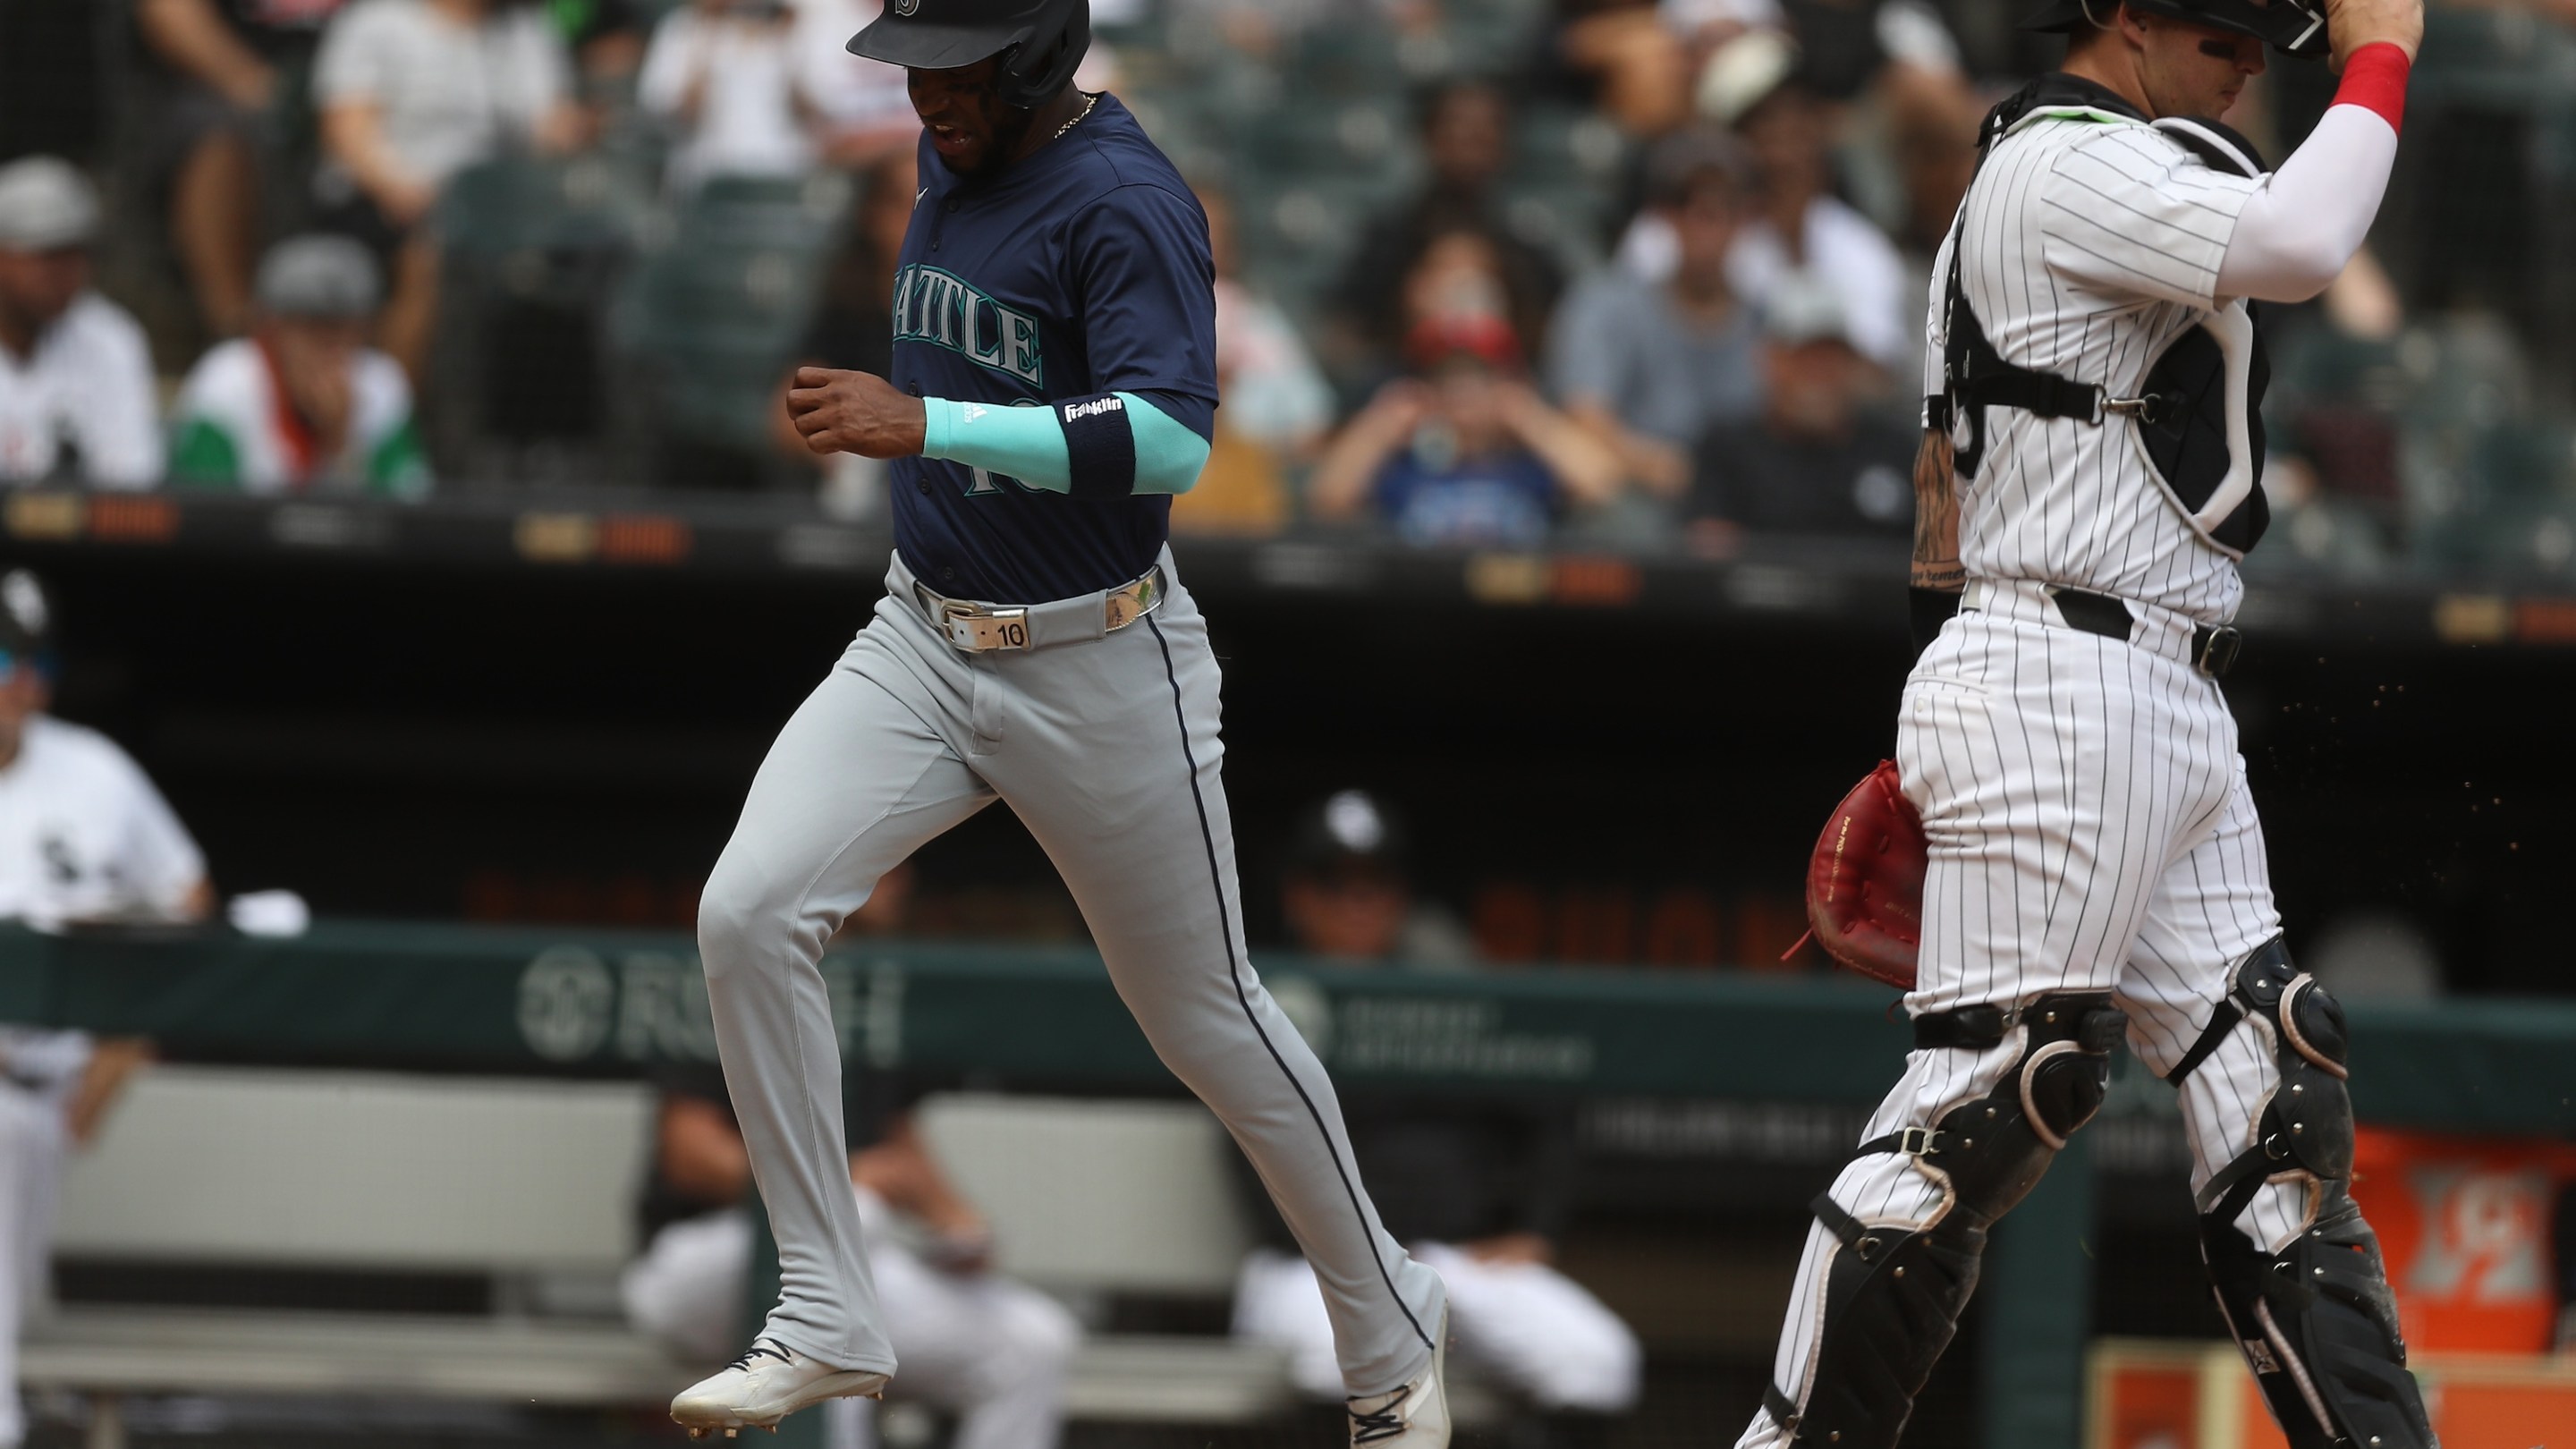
2087, 484
83, 837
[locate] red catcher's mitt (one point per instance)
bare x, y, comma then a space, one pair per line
1865, 883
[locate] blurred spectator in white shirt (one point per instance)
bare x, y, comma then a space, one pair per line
724, 75
76, 387
412, 92
1650, 367
302, 402
1799, 225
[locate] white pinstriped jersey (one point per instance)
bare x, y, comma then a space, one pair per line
2091, 241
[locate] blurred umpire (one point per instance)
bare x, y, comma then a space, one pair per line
84, 838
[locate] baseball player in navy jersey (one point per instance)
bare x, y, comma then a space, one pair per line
2089, 478
1053, 383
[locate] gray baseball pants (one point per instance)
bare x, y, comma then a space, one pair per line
1106, 746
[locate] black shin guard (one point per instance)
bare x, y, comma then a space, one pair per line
1893, 1295
2316, 1321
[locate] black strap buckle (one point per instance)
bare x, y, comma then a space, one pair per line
1976, 1028
1782, 1408
1911, 1141
2214, 650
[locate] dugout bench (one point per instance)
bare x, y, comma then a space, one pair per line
533, 1183
535, 1004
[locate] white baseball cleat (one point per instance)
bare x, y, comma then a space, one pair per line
1415, 1416
764, 1386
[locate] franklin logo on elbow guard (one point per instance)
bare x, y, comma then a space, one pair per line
1076, 412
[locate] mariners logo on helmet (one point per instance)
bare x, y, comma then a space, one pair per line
1038, 42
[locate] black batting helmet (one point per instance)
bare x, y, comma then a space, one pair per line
2293, 27
1040, 41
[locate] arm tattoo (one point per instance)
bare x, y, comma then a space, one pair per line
1936, 517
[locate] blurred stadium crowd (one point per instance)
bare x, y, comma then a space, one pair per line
1639, 274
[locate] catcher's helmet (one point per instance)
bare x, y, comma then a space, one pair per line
2294, 27
1040, 41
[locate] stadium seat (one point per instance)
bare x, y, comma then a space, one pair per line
707, 322
531, 250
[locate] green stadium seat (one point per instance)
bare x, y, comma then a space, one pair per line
711, 319
585, 203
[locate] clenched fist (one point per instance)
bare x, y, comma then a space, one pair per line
854, 412
2352, 24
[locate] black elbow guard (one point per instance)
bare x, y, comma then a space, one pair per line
1927, 610
1099, 446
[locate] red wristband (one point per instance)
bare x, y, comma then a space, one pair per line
2374, 78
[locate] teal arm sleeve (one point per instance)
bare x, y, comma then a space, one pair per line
1028, 443
1168, 455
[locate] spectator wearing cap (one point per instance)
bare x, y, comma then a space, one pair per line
84, 838
725, 76
1466, 139
1464, 452
411, 92
1482, 1186
1818, 460
1650, 367
1754, 86
76, 388
302, 402
1347, 893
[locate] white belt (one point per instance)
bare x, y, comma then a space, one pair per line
974, 627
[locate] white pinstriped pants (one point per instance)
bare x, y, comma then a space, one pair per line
2090, 830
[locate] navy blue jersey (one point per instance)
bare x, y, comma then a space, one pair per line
1078, 270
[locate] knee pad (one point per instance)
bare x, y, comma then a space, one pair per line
1893, 1296
2316, 1321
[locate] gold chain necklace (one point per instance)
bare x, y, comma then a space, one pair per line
1088, 102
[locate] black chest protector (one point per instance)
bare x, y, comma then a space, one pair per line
2182, 410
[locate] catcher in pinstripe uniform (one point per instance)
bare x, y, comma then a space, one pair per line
2093, 866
